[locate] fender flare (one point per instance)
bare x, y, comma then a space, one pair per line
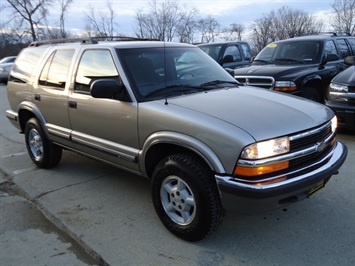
32, 108
185, 141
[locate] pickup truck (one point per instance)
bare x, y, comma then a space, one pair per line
230, 55
168, 112
302, 66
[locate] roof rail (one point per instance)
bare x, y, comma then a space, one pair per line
91, 40
336, 33
122, 38
55, 41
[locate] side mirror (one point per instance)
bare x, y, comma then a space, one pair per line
227, 59
349, 60
105, 88
330, 57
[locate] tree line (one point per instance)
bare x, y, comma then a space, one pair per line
166, 21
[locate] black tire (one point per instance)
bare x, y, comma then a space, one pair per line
186, 198
43, 153
311, 94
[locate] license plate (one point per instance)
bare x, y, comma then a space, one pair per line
318, 187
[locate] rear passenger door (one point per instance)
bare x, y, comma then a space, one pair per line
50, 94
102, 128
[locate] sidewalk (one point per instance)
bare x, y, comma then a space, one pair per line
28, 238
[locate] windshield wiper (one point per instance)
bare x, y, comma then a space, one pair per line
218, 82
288, 60
174, 89
262, 61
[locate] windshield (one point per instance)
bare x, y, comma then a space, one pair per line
171, 71
292, 52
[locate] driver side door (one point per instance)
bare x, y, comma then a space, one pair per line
102, 128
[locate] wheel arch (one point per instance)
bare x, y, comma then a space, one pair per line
28, 110
316, 83
163, 144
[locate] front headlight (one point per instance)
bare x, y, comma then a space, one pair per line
334, 123
338, 88
285, 86
266, 149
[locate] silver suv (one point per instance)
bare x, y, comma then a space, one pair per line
170, 113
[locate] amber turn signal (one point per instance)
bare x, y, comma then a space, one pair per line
260, 170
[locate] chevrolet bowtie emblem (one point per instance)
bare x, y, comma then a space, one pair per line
321, 146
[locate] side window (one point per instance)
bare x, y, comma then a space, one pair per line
26, 63
344, 49
352, 44
94, 64
55, 71
330, 48
233, 51
246, 51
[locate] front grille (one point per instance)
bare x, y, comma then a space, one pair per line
258, 81
310, 149
310, 138
320, 137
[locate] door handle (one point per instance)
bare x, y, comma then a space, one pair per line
72, 104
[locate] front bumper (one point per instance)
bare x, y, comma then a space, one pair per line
344, 112
252, 199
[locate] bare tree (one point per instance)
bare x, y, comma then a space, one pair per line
165, 21
64, 6
101, 23
282, 24
233, 32
344, 16
263, 32
293, 22
209, 29
187, 26
31, 12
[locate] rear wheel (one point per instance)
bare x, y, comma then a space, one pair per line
43, 153
186, 198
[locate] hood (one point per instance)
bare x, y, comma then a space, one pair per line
346, 77
271, 70
262, 113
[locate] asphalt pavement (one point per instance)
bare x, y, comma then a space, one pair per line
83, 212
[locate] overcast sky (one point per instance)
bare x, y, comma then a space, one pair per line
225, 12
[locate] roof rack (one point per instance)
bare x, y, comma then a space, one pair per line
336, 33
56, 41
91, 40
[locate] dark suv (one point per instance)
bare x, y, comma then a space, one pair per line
341, 95
302, 66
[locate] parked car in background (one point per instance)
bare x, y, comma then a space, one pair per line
170, 113
341, 95
230, 55
5, 66
301, 66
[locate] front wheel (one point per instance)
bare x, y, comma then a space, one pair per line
186, 198
312, 94
43, 153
